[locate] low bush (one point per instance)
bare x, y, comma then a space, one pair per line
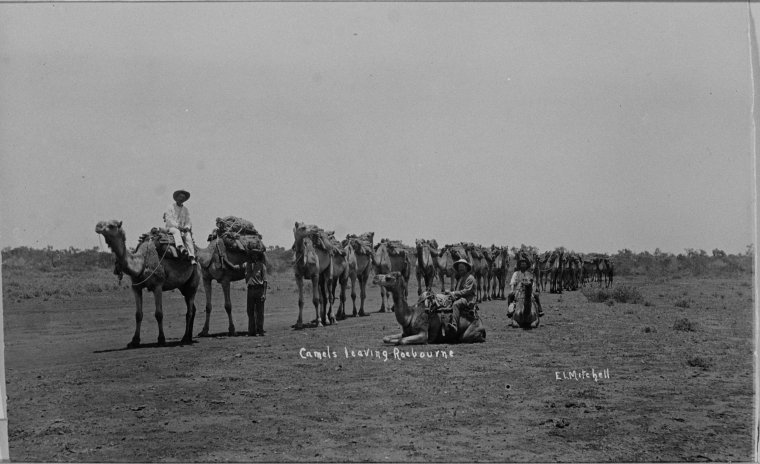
596, 295
698, 361
684, 325
627, 294
682, 303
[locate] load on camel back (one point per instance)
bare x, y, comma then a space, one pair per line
236, 235
320, 258
233, 242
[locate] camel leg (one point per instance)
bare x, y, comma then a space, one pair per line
416, 339
138, 318
158, 296
207, 288
393, 339
299, 284
343, 285
228, 307
189, 320
324, 295
315, 290
353, 293
331, 285
474, 333
363, 294
382, 299
419, 282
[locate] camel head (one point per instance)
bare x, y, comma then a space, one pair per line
300, 230
111, 231
391, 280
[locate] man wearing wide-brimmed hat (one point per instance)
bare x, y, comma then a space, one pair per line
522, 276
177, 219
463, 294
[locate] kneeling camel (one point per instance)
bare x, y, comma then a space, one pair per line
419, 326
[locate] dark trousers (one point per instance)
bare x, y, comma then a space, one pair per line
255, 310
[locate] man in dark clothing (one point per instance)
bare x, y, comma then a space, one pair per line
463, 294
256, 279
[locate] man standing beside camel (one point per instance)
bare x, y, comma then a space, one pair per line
177, 219
256, 280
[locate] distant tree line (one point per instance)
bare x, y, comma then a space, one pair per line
626, 262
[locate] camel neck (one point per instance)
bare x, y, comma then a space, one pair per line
131, 265
400, 308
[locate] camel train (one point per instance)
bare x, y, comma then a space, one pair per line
329, 264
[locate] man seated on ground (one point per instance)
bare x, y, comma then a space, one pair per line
463, 294
177, 219
522, 277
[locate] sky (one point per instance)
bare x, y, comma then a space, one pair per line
593, 126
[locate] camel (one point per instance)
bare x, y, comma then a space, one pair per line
525, 314
446, 258
588, 268
499, 272
156, 273
571, 271
536, 267
420, 325
427, 263
224, 264
554, 273
610, 271
596, 268
488, 258
479, 265
391, 256
359, 255
337, 274
446, 268
544, 270
311, 263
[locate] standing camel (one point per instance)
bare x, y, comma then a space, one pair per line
224, 264
556, 270
447, 257
391, 256
446, 268
157, 273
487, 272
337, 274
500, 270
427, 263
479, 264
359, 255
310, 263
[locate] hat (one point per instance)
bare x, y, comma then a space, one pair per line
523, 257
463, 261
181, 192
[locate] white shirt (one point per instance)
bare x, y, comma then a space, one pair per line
178, 216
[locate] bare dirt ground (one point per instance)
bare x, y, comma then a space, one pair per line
75, 393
